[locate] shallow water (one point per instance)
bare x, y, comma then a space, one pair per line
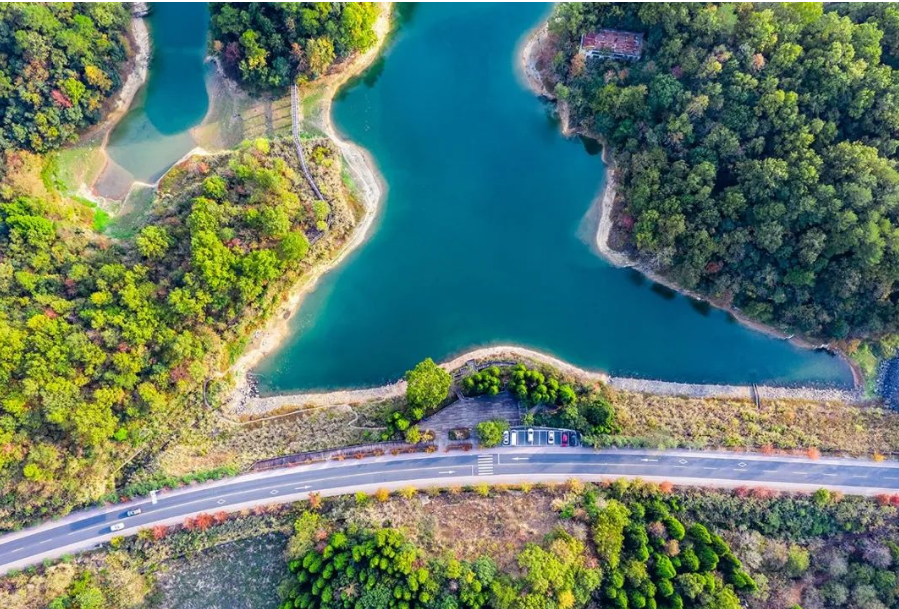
155, 132
482, 238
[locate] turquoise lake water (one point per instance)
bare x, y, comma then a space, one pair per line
154, 133
482, 237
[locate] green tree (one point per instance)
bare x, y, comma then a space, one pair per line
153, 242
427, 385
293, 247
490, 433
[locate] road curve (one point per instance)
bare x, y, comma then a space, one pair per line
86, 529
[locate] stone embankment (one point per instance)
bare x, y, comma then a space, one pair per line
252, 405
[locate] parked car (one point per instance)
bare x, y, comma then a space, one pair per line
551, 438
506, 438
564, 439
117, 526
530, 435
133, 512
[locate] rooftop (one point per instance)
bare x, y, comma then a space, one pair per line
615, 43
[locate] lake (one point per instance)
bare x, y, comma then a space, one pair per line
483, 238
155, 133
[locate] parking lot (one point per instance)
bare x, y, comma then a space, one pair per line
541, 436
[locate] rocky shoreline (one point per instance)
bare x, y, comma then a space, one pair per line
253, 405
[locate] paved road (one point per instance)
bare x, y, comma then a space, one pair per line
86, 529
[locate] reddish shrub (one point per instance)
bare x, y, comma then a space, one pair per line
204, 521
762, 492
666, 487
160, 531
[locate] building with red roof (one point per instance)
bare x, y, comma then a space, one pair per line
612, 44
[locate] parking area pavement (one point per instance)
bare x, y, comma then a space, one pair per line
541, 436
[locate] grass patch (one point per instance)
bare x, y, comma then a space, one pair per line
240, 575
133, 214
670, 421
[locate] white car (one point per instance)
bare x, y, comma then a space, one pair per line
117, 526
530, 435
551, 438
133, 512
506, 438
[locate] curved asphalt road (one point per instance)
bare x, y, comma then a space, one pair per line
86, 529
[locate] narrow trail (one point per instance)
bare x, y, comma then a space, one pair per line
295, 129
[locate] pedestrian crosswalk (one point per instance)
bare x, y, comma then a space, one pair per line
485, 465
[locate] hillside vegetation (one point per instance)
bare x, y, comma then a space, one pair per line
58, 65
757, 148
269, 45
105, 346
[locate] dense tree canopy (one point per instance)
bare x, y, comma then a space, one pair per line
757, 146
102, 341
267, 45
58, 65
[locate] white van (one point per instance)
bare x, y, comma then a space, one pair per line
514, 438
530, 435
117, 526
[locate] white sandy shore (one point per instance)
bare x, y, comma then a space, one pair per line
370, 187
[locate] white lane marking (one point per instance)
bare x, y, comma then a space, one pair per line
645, 460
520, 458
301, 488
164, 508
828, 474
741, 464
770, 471
800, 473
274, 491
449, 471
221, 502
681, 460
709, 468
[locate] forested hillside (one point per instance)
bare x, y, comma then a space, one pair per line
757, 146
58, 64
105, 345
269, 45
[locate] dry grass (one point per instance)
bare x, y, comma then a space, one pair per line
466, 525
239, 575
242, 445
782, 424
